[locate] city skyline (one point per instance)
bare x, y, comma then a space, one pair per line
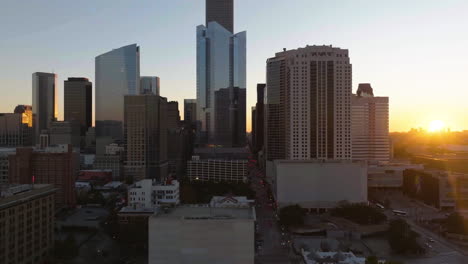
392, 50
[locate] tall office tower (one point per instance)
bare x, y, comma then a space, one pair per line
55, 165
146, 137
149, 85
26, 223
173, 115
221, 63
230, 117
44, 101
308, 104
253, 128
16, 128
258, 118
117, 75
369, 125
221, 11
190, 111
78, 102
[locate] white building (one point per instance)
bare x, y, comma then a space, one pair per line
217, 170
148, 194
388, 175
308, 104
201, 235
319, 184
231, 201
369, 125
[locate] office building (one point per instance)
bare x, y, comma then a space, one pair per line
44, 102
221, 11
16, 129
202, 234
252, 126
78, 102
388, 175
4, 163
65, 132
55, 165
216, 170
26, 223
117, 75
26, 111
369, 125
257, 119
230, 117
149, 85
173, 115
110, 162
146, 122
149, 193
319, 184
190, 110
221, 63
308, 104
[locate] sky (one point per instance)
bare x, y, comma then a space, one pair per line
415, 51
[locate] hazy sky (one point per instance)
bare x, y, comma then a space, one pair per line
414, 51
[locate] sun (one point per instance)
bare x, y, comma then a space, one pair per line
436, 126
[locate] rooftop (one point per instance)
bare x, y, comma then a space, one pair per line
13, 194
204, 212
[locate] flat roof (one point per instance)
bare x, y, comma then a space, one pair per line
36, 191
204, 212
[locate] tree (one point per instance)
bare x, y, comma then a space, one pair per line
292, 215
455, 223
402, 239
372, 260
359, 213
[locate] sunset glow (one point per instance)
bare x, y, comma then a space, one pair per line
436, 126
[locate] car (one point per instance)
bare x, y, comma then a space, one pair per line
430, 239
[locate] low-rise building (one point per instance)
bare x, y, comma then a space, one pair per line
149, 193
202, 234
231, 201
99, 177
388, 175
26, 223
319, 184
330, 257
217, 170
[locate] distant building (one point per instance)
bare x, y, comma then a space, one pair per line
99, 177
26, 223
231, 202
257, 119
202, 234
150, 85
388, 175
55, 165
230, 113
117, 75
330, 257
149, 193
44, 101
173, 115
308, 104
146, 122
64, 133
4, 163
190, 110
221, 11
222, 153
217, 170
78, 102
113, 160
16, 129
369, 125
318, 184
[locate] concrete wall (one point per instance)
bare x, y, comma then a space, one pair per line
180, 241
315, 184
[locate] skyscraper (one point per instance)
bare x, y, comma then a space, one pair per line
230, 117
221, 11
258, 118
16, 128
190, 110
308, 104
173, 115
44, 101
369, 123
149, 85
117, 75
146, 137
78, 101
221, 63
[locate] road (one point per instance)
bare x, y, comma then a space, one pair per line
271, 249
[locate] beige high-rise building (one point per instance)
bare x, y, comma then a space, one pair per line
26, 223
308, 104
145, 131
369, 122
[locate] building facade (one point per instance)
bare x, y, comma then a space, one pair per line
44, 102
217, 170
308, 104
117, 74
150, 193
230, 117
15, 130
369, 125
65, 132
150, 85
78, 102
4, 163
257, 119
146, 122
190, 110
319, 184
221, 63
57, 166
26, 223
202, 234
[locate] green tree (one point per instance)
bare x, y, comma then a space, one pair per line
292, 215
455, 223
402, 239
372, 260
359, 213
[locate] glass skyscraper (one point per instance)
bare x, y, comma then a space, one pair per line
221, 63
117, 75
44, 101
149, 85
